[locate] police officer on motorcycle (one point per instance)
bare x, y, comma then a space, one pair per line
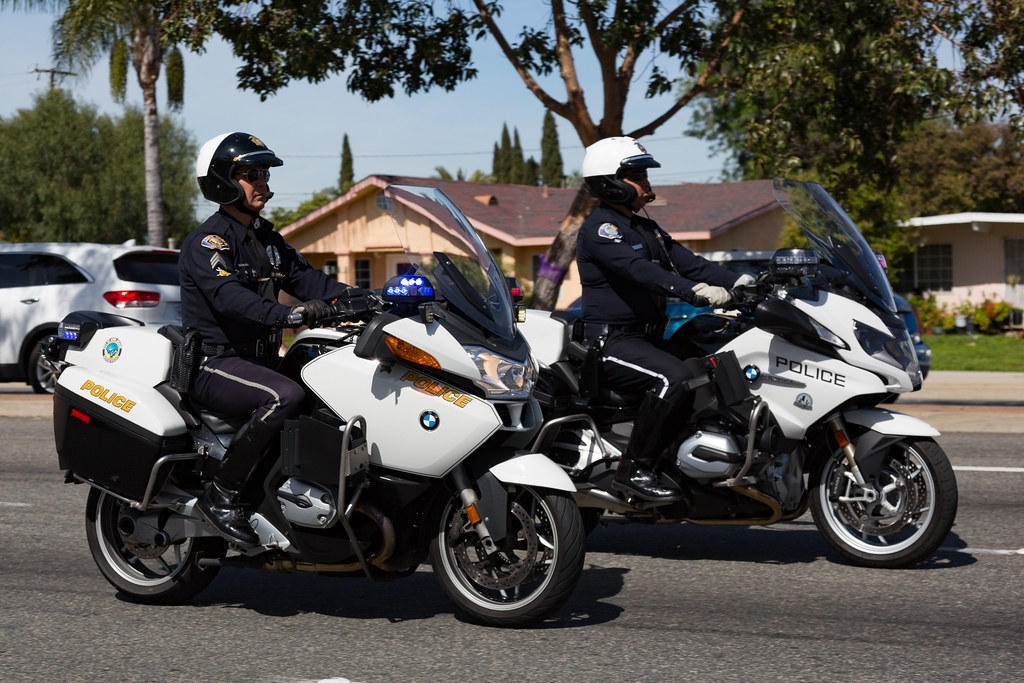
232, 268
628, 266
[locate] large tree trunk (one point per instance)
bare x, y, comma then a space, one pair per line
561, 254
154, 179
146, 55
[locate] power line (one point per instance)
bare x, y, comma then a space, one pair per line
54, 73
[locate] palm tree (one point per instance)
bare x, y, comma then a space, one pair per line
84, 31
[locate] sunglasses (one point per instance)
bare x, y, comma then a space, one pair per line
253, 174
635, 175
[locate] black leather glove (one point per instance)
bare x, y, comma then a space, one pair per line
313, 311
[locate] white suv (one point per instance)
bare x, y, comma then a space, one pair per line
41, 283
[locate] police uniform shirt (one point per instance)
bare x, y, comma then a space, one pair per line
628, 265
231, 275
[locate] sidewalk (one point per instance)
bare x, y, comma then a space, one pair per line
949, 401
969, 388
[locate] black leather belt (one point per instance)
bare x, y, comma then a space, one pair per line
214, 349
261, 349
593, 331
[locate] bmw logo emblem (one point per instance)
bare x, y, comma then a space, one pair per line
429, 420
751, 372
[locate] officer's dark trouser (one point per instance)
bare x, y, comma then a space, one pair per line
237, 387
633, 364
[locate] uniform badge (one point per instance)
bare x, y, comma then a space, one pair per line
215, 242
609, 232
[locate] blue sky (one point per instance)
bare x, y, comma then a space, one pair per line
304, 123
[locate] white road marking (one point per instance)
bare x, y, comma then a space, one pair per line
982, 468
984, 551
14, 505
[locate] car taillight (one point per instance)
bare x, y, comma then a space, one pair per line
125, 298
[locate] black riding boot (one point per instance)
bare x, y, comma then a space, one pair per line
635, 475
220, 503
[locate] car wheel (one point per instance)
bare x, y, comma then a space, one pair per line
40, 373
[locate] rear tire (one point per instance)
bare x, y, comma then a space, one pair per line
156, 575
534, 570
916, 502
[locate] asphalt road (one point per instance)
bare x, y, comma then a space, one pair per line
666, 603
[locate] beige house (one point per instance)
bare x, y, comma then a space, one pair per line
352, 238
969, 257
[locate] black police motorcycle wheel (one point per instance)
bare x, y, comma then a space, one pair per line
535, 568
158, 575
914, 511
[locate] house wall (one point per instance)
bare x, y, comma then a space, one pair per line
760, 233
978, 261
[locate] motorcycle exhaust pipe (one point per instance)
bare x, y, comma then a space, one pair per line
602, 499
379, 559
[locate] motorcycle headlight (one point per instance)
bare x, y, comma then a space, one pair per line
502, 377
893, 348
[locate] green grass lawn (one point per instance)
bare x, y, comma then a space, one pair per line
997, 353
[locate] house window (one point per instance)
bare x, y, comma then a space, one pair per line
361, 273
331, 268
1013, 258
932, 268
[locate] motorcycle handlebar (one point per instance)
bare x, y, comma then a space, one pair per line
359, 308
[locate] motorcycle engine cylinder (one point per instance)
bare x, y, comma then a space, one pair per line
709, 455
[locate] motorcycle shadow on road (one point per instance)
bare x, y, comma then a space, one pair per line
795, 542
415, 597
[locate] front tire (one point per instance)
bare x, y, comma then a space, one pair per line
535, 568
915, 501
40, 373
156, 575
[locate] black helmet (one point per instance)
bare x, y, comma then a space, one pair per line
607, 160
218, 158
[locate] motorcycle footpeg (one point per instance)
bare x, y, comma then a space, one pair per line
644, 500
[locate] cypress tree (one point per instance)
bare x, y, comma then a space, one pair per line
551, 169
346, 177
503, 171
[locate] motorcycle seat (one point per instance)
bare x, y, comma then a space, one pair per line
221, 424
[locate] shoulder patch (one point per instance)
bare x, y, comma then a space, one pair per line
215, 242
609, 232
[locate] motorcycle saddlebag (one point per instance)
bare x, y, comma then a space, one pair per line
109, 451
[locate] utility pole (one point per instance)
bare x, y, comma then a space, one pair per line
54, 73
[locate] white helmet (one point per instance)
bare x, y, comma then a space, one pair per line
607, 160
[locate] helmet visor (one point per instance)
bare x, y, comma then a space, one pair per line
633, 163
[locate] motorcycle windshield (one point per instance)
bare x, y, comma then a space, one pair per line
835, 237
462, 271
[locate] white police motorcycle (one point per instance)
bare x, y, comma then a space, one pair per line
786, 409
414, 443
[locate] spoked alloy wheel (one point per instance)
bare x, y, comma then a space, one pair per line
904, 515
41, 374
154, 574
534, 570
